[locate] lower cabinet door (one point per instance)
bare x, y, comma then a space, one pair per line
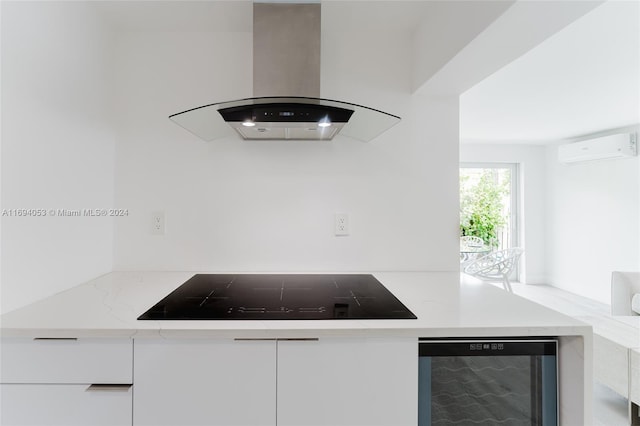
204, 382
348, 382
65, 405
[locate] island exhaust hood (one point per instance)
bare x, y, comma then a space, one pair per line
286, 87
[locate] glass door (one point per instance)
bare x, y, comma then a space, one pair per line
488, 203
488, 210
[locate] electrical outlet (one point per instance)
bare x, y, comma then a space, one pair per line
341, 224
157, 223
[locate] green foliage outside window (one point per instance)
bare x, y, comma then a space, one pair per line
481, 206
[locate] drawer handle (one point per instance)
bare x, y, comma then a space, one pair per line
104, 387
256, 339
271, 339
299, 339
45, 339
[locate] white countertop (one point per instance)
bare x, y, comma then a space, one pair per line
623, 330
109, 306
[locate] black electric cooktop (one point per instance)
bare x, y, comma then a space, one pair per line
279, 297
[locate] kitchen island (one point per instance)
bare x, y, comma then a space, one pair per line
254, 372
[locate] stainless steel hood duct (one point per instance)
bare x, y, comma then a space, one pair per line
286, 86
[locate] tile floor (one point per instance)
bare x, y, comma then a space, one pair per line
609, 408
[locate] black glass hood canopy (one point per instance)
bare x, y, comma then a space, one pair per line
285, 118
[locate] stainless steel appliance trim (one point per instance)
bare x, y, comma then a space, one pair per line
286, 49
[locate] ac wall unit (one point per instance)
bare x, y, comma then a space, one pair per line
608, 147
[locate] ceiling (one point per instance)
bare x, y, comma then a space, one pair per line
237, 15
584, 79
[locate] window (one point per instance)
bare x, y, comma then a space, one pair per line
488, 203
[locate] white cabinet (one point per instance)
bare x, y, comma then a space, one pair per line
183, 382
66, 382
205, 382
65, 405
348, 382
66, 361
332, 381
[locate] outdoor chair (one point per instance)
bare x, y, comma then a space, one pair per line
471, 248
471, 241
496, 266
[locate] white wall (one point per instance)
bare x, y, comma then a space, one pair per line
57, 148
593, 223
85, 125
250, 205
533, 183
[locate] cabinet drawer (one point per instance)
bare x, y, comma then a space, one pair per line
67, 405
66, 360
